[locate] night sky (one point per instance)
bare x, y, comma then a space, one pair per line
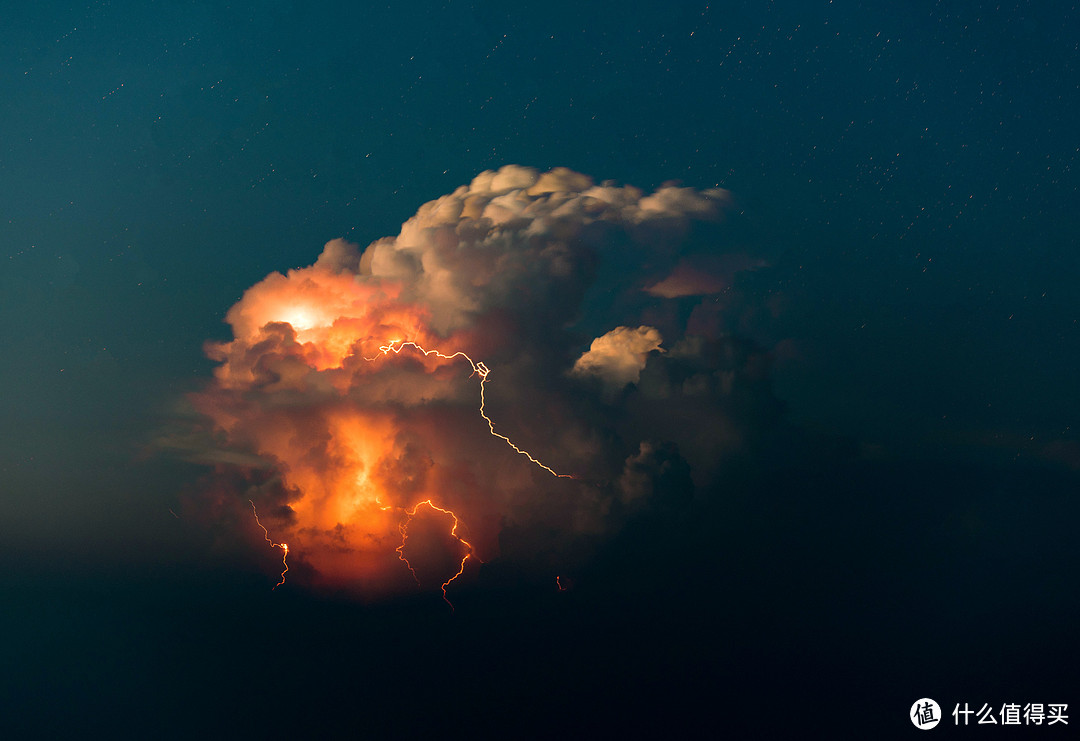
893, 308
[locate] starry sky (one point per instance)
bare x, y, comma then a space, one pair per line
903, 210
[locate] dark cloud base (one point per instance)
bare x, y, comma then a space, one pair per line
823, 593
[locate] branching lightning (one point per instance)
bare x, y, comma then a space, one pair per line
404, 527
283, 546
482, 371
479, 369
360, 448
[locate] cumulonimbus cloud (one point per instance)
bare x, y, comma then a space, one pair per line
328, 383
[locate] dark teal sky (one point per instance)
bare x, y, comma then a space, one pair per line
906, 171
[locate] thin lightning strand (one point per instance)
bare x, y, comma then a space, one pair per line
283, 546
404, 527
481, 370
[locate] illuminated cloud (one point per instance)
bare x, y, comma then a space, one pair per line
618, 357
323, 383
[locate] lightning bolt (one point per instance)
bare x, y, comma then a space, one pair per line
283, 546
404, 527
479, 369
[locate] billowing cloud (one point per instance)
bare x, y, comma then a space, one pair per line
417, 399
618, 357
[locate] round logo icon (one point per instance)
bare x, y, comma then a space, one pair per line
925, 714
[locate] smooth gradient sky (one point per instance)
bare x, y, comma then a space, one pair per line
902, 176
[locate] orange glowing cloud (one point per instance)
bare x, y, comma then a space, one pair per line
430, 371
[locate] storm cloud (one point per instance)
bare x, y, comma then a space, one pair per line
494, 360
